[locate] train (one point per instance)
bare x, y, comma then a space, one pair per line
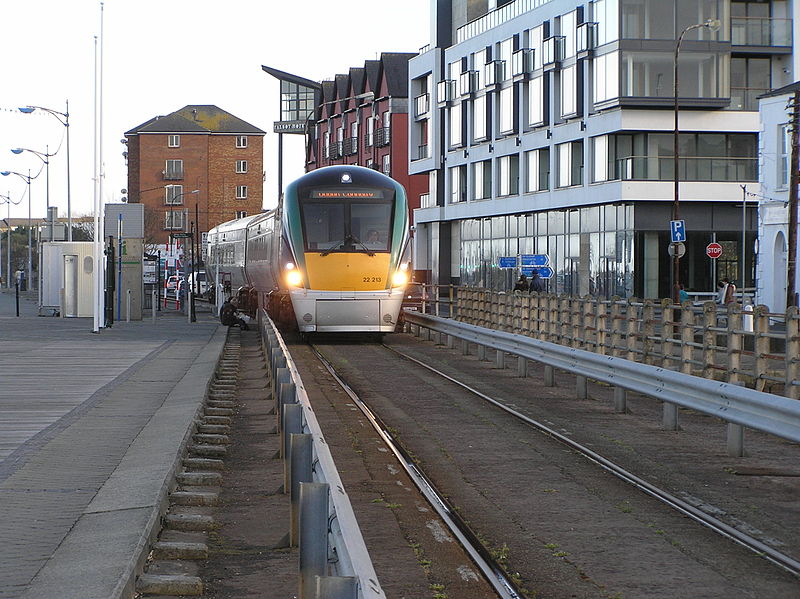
333, 257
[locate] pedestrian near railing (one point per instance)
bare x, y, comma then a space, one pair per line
745, 345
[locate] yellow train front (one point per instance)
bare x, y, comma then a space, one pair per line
348, 234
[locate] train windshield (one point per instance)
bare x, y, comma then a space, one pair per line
353, 221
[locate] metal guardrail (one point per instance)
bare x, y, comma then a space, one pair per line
739, 406
334, 560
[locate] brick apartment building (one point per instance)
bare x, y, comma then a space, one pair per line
197, 163
362, 119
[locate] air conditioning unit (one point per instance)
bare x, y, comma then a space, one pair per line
468, 82
522, 62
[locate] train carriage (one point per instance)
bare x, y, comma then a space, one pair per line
337, 248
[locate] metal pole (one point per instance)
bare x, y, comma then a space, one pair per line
30, 227
280, 165
192, 277
69, 196
676, 208
744, 239
8, 241
794, 181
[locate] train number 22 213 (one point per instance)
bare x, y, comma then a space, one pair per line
372, 280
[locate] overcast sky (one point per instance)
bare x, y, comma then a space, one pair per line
159, 56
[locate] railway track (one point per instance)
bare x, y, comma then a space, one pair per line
470, 528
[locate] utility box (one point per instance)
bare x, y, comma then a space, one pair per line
68, 278
124, 230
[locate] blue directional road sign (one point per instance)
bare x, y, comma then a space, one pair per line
508, 261
544, 271
678, 230
535, 259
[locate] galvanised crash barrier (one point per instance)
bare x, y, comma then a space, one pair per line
334, 562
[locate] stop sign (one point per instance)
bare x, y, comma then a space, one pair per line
714, 250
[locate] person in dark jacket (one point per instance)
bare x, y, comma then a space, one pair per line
229, 316
522, 284
537, 283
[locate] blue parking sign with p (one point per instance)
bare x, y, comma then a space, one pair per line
678, 230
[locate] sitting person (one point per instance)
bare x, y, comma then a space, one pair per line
229, 316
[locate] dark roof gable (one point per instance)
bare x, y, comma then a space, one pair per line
197, 118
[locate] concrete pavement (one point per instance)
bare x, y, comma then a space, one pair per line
92, 427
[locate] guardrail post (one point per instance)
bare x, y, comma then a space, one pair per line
522, 366
500, 359
735, 440
481, 352
287, 394
581, 387
791, 389
292, 419
451, 342
336, 587
464, 347
620, 400
301, 457
282, 375
549, 376
313, 535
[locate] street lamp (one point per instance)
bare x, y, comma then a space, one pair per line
65, 121
27, 178
712, 25
44, 157
7, 220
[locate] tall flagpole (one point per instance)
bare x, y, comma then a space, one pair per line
98, 256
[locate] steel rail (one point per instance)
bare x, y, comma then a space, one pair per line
491, 570
786, 562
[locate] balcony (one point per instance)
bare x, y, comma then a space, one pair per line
746, 98
496, 17
382, 137
333, 151
173, 175
694, 168
761, 32
350, 146
422, 105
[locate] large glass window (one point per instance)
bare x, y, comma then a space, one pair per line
458, 184
506, 49
606, 77
601, 159
650, 74
508, 175
535, 38
569, 91
479, 131
606, 14
456, 125
478, 63
297, 101
507, 110
537, 170
569, 163
482, 179
568, 23
784, 154
536, 110
337, 224
750, 78
660, 20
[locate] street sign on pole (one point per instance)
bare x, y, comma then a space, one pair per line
714, 250
535, 259
545, 272
678, 230
508, 262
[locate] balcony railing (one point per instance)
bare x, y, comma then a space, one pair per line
175, 175
382, 136
350, 146
422, 151
662, 168
761, 31
496, 17
425, 200
746, 98
422, 104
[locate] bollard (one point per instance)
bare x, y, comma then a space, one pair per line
313, 535
522, 366
549, 376
154, 305
292, 424
581, 387
188, 304
301, 455
620, 400
127, 305
336, 587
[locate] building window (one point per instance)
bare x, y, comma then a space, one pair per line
173, 194
537, 170
458, 184
173, 219
173, 170
508, 175
568, 25
241, 213
370, 131
535, 39
507, 121
600, 159
387, 121
482, 179
386, 165
241, 141
606, 77
479, 129
478, 65
326, 144
241, 166
241, 192
650, 74
569, 163
569, 92
606, 14
750, 78
784, 154
506, 50
456, 125
173, 141
536, 110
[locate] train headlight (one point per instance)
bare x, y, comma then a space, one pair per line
294, 278
399, 278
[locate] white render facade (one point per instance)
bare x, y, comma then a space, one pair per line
547, 127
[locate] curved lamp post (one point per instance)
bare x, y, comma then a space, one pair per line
64, 121
45, 158
27, 178
712, 25
7, 220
